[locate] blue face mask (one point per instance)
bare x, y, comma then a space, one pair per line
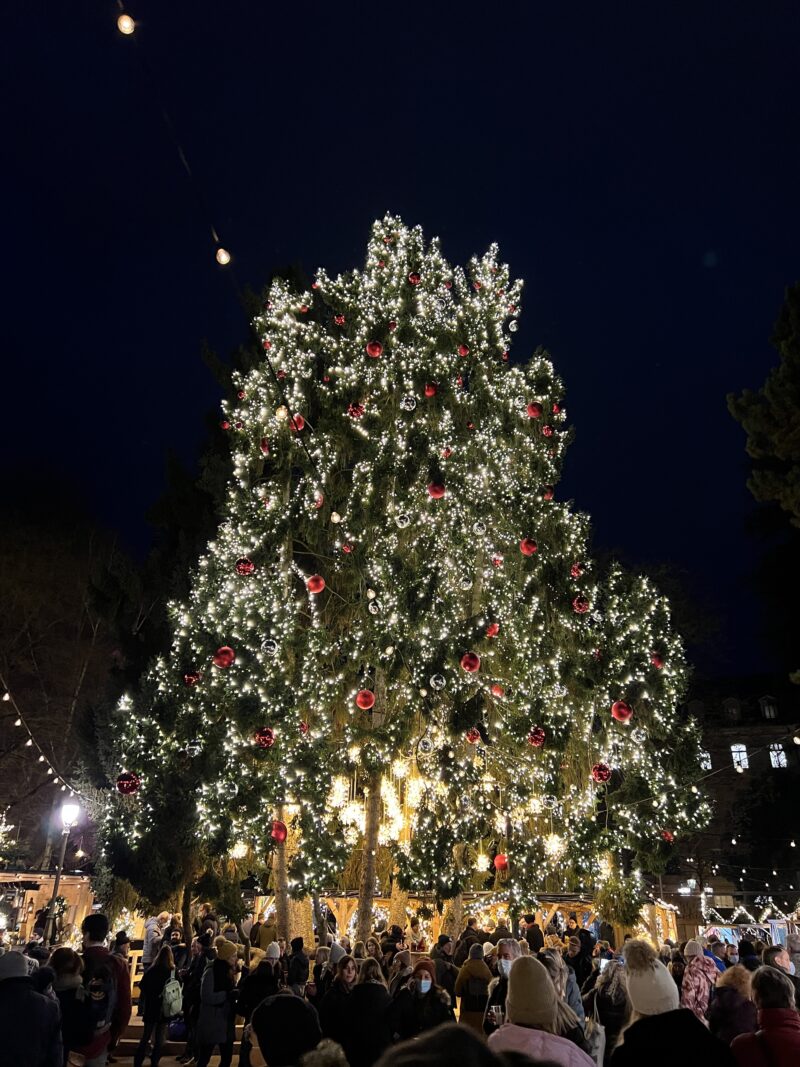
733, 959
424, 986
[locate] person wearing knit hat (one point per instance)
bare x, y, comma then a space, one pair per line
226, 950
420, 1005
472, 986
30, 1022
661, 1033
273, 951
531, 1014
699, 978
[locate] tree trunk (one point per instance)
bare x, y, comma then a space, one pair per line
280, 883
369, 862
186, 913
397, 907
453, 921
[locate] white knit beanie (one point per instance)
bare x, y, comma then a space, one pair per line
692, 948
651, 988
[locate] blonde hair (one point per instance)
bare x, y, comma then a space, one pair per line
738, 978
322, 954
524, 947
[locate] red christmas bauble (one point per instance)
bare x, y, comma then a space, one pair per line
347, 549
264, 445
580, 604
304, 309
463, 350
430, 389
473, 735
548, 430
447, 453
225, 425
297, 422
576, 570
548, 492
497, 561
365, 699
339, 320
279, 831
315, 584
355, 411
264, 737
414, 278
224, 657
668, 836
621, 711
537, 736
556, 409
476, 286
471, 662
535, 410
374, 349
657, 660
128, 783
245, 566
304, 728
319, 499
448, 284
241, 394
501, 862
266, 345
392, 325
436, 490
601, 772
191, 678
493, 629
497, 690
527, 546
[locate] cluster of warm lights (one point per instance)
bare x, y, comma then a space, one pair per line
404, 595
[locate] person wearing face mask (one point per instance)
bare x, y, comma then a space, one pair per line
776, 956
421, 1005
508, 950
731, 955
472, 986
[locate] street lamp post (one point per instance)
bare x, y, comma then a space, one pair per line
70, 812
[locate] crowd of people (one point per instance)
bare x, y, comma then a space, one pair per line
554, 998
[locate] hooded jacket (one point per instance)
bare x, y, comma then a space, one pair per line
699, 979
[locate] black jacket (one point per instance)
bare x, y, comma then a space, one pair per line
150, 989
30, 1025
674, 1037
446, 974
497, 998
410, 1014
581, 965
534, 937
470, 937
298, 969
613, 1016
334, 1010
366, 1027
730, 1014
260, 984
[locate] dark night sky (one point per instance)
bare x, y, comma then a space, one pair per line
639, 168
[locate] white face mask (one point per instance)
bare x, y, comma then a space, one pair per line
791, 967
424, 985
504, 967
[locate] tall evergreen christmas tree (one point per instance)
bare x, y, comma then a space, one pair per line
399, 645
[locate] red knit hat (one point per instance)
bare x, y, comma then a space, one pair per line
425, 965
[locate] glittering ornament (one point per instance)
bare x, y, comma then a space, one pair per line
128, 783
549, 800
264, 737
336, 518
191, 677
473, 735
193, 748
408, 403
224, 657
438, 681
580, 604
264, 445
601, 772
621, 711
270, 646
527, 546
493, 629
463, 350
548, 492
374, 349
279, 831
513, 325
402, 520
374, 607
339, 320
501, 862
471, 662
497, 690
304, 728
355, 411
535, 410
430, 389
315, 584
497, 560
576, 570
466, 582
436, 490
414, 278
392, 324
365, 699
537, 737
668, 836
548, 430
347, 549
657, 660
281, 413
425, 744
319, 500
245, 566
479, 528
298, 422
639, 735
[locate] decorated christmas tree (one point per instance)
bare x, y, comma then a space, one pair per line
398, 644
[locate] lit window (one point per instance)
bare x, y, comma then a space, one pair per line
739, 756
705, 760
777, 756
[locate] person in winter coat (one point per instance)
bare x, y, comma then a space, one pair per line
285, 1027
77, 1024
568, 1024
267, 933
777, 956
472, 986
150, 989
29, 1021
699, 979
608, 1002
314, 993
500, 933
298, 967
201, 954
328, 973
154, 928
259, 984
366, 1027
793, 948
333, 1009
399, 972
747, 955
446, 970
101, 971
420, 1005
777, 1041
563, 978
508, 950
215, 1022
531, 1019
470, 936
578, 960
731, 1011
533, 933
661, 1033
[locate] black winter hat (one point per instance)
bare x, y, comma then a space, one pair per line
296, 944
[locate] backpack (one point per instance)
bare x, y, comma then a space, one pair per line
101, 990
171, 997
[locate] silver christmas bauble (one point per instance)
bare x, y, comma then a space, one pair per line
374, 607
513, 325
438, 681
408, 403
479, 527
549, 801
270, 647
402, 520
425, 744
466, 582
193, 748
